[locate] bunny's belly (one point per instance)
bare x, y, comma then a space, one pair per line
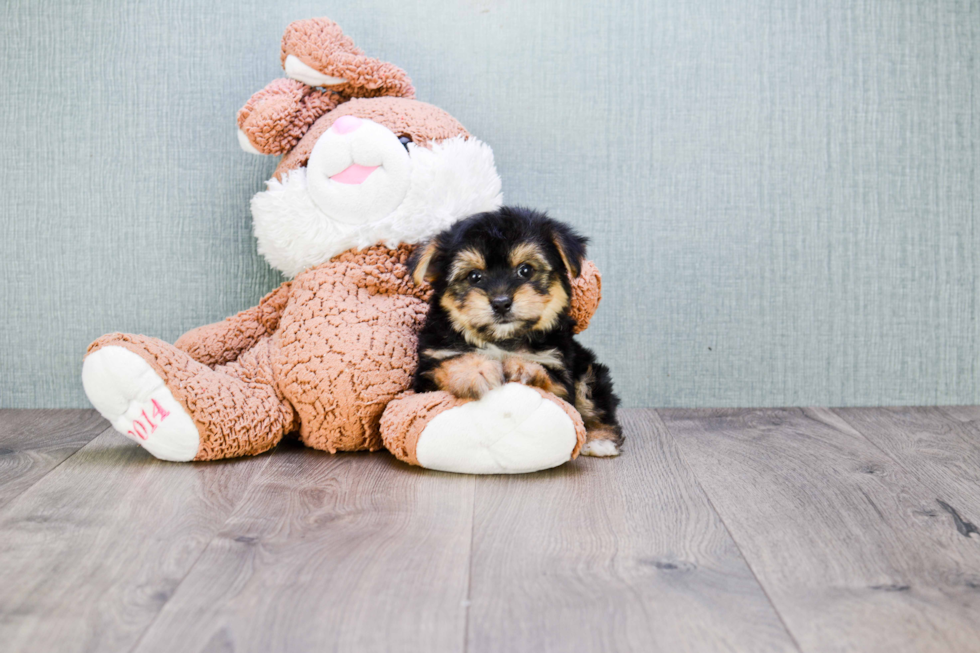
340, 369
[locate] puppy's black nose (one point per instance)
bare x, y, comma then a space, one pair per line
501, 304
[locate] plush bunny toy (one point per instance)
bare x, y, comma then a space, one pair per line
367, 173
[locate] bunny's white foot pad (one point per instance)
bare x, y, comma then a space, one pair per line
511, 430
136, 401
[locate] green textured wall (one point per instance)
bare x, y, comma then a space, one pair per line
782, 196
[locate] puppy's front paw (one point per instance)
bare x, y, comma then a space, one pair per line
600, 449
470, 376
525, 372
477, 378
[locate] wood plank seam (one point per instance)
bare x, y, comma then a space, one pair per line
12, 499
949, 412
469, 578
353, 517
97, 443
921, 571
7, 499
621, 554
962, 526
721, 518
191, 567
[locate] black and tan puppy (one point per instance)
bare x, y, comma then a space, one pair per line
500, 313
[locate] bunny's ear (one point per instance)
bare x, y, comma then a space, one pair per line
325, 68
318, 53
274, 119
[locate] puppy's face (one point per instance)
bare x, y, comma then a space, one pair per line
498, 291
501, 281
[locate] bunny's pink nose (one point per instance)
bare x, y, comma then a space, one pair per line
346, 124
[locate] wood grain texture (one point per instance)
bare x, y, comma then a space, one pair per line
939, 447
734, 530
849, 546
90, 553
623, 554
33, 442
354, 552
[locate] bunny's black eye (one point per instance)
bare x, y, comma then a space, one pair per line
475, 277
525, 271
405, 140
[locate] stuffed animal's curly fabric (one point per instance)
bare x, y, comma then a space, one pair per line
367, 173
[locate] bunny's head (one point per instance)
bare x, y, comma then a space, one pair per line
363, 161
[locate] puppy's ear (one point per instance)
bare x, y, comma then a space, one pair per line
571, 247
421, 265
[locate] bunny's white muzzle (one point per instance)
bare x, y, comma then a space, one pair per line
311, 215
358, 171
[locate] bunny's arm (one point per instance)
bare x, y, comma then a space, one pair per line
222, 342
586, 293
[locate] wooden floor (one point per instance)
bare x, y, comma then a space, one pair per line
717, 530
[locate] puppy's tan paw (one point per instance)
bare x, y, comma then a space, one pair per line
470, 376
522, 371
600, 449
526, 372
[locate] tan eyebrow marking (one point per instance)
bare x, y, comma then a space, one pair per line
528, 253
465, 261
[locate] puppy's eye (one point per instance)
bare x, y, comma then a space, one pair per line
475, 277
525, 271
405, 140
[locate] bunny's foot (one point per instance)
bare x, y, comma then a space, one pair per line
510, 430
179, 409
126, 390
